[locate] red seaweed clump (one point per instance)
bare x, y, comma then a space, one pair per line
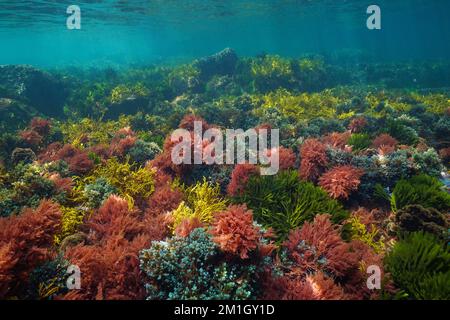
341, 181
337, 140
385, 141
26, 241
313, 159
123, 140
110, 259
78, 160
357, 124
239, 177
233, 230
36, 132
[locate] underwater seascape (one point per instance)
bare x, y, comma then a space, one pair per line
351, 99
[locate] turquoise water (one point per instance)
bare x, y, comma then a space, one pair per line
146, 31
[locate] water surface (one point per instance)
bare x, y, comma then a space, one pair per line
144, 31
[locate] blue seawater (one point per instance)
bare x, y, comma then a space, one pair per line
143, 31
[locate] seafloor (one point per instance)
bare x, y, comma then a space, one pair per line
359, 209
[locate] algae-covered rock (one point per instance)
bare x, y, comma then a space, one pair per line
14, 113
128, 106
222, 86
222, 63
417, 218
25, 155
34, 87
127, 99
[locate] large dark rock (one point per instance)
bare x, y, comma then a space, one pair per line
414, 218
128, 106
14, 114
33, 87
222, 63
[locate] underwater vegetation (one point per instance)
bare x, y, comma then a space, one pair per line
87, 180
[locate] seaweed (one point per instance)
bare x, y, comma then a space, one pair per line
284, 202
133, 182
97, 188
420, 190
211, 278
202, 201
359, 141
419, 264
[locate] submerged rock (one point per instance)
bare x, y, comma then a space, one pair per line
184, 84
222, 63
222, 86
414, 218
128, 106
25, 155
34, 87
14, 114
